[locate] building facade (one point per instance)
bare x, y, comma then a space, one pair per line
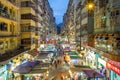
69, 22
107, 34
28, 23
10, 39
97, 34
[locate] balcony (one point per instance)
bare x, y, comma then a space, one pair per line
99, 30
6, 15
28, 29
115, 29
28, 41
9, 36
116, 4
10, 54
29, 17
28, 4
14, 2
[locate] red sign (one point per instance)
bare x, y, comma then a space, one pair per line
113, 68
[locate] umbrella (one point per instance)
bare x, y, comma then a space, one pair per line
36, 62
93, 73
22, 69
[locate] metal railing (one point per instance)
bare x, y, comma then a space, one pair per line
115, 29
7, 15
14, 2
9, 54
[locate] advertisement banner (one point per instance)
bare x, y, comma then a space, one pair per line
113, 68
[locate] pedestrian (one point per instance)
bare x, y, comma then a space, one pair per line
62, 76
58, 61
55, 64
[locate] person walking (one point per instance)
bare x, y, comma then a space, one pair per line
55, 64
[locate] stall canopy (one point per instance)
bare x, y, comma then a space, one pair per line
75, 57
30, 64
93, 74
50, 51
39, 69
25, 67
22, 69
72, 53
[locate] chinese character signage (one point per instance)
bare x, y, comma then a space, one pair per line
113, 68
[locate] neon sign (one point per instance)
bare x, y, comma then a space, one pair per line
113, 68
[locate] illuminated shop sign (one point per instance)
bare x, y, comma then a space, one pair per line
2, 70
102, 61
113, 68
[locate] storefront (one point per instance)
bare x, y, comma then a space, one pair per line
101, 63
3, 73
101, 67
6, 70
90, 59
114, 71
76, 60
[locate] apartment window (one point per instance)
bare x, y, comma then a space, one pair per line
3, 26
26, 16
12, 1
12, 27
26, 4
117, 12
101, 3
12, 43
1, 46
113, 14
118, 44
5, 9
26, 41
6, 44
106, 1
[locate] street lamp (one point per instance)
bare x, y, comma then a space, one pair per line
90, 6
